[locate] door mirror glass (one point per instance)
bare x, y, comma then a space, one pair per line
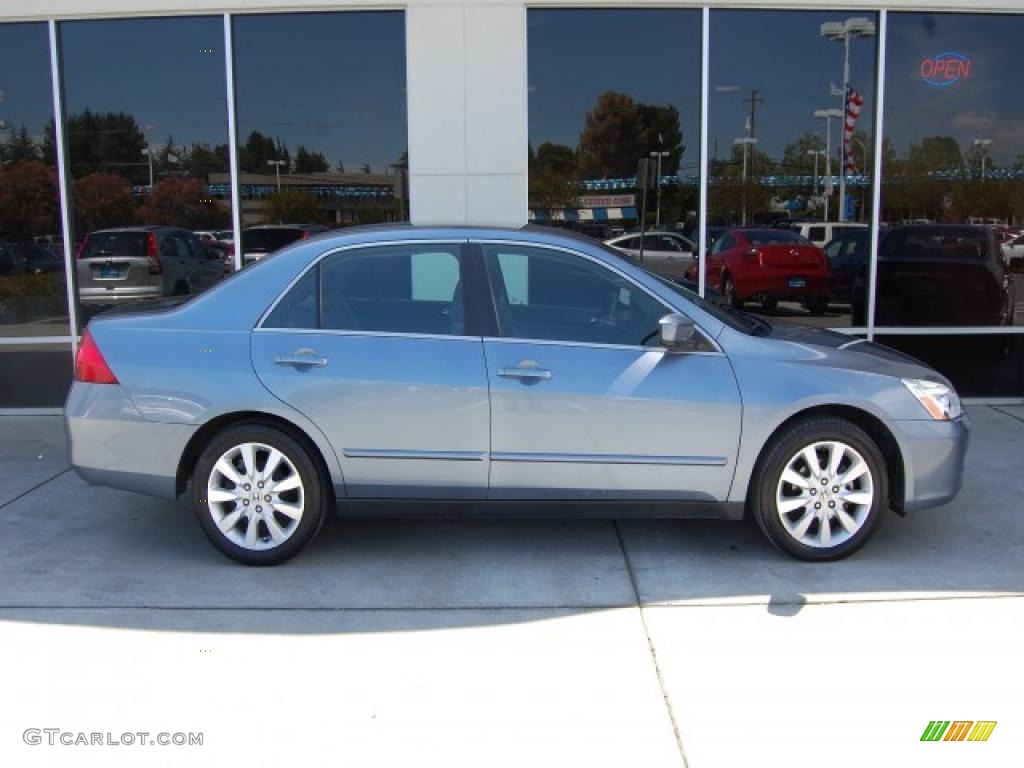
676, 331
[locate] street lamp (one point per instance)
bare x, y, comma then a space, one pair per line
277, 171
984, 144
843, 31
659, 155
817, 153
827, 115
746, 142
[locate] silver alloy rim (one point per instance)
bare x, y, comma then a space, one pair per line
255, 496
825, 494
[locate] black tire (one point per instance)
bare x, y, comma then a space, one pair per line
769, 303
729, 294
817, 305
316, 496
774, 461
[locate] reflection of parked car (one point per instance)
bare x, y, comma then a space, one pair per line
32, 258
215, 235
223, 251
821, 232
116, 265
499, 366
668, 254
1013, 253
768, 264
262, 240
848, 255
940, 274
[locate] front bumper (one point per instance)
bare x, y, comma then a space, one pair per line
112, 444
933, 460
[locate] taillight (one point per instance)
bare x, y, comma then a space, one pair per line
305, 234
81, 248
89, 363
155, 267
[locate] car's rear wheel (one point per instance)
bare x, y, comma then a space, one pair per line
259, 496
817, 305
820, 490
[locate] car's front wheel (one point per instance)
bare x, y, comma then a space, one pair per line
820, 490
259, 495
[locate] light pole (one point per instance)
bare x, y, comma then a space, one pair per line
827, 115
277, 171
817, 153
843, 31
745, 142
984, 144
148, 152
657, 215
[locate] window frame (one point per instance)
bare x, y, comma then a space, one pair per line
470, 274
706, 340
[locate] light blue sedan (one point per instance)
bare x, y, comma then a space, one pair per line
405, 370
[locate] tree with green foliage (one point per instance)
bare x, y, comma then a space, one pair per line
291, 205
310, 162
28, 200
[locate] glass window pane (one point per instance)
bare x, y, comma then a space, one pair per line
43, 375
33, 293
300, 308
600, 100
382, 289
988, 365
146, 127
322, 127
791, 145
544, 294
953, 176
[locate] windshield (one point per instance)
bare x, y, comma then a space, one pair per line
101, 244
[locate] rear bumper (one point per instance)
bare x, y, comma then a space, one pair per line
776, 285
119, 294
933, 460
112, 444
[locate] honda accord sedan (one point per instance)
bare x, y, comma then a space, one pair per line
405, 370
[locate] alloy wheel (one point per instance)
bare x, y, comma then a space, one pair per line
825, 494
256, 496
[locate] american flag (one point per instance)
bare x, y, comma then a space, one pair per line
854, 102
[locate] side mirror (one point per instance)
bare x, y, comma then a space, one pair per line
676, 331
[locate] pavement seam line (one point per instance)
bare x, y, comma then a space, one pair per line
34, 488
1013, 416
650, 645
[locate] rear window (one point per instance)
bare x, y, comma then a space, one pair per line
774, 237
271, 239
936, 244
103, 244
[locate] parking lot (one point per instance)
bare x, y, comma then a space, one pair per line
508, 642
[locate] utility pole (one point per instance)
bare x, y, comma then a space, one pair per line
752, 101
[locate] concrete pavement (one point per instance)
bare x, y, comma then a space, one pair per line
640, 643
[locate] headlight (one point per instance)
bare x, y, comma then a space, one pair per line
938, 399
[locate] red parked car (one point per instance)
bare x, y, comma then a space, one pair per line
769, 265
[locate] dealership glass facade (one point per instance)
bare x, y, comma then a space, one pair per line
898, 218
884, 139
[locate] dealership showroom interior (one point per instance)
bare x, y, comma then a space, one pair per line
822, 204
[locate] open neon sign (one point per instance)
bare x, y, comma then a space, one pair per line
944, 69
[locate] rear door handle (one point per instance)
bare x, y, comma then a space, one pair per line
302, 358
530, 373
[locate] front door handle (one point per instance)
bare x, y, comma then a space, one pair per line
531, 373
302, 358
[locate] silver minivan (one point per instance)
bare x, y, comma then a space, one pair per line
145, 262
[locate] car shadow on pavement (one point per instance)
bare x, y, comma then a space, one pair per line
76, 555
